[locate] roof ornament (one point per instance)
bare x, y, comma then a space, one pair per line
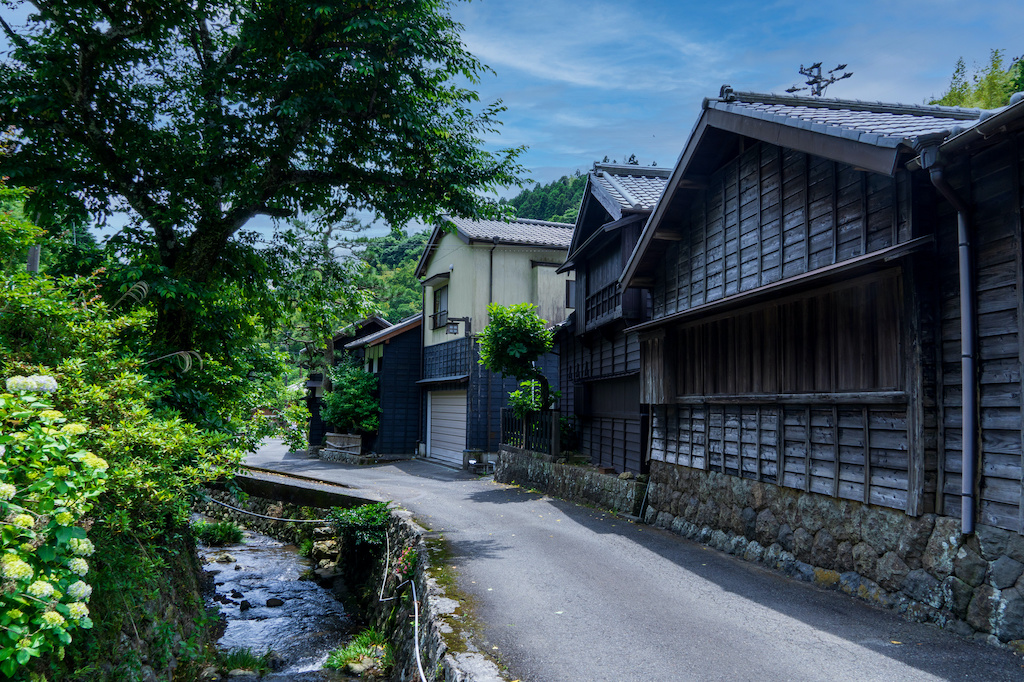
816, 82
726, 94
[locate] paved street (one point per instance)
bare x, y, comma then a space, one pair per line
568, 593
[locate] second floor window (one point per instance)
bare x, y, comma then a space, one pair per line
440, 316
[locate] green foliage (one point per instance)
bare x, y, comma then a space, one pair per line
61, 327
528, 398
295, 426
320, 290
389, 276
48, 482
306, 547
244, 658
351, 405
217, 534
989, 87
513, 339
369, 643
363, 525
558, 201
196, 117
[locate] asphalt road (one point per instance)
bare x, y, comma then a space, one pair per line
568, 593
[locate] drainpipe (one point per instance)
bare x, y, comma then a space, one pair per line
490, 299
968, 334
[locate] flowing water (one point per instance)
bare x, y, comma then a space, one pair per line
268, 607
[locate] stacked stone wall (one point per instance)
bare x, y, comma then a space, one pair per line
570, 482
922, 567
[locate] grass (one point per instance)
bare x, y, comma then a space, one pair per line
245, 658
218, 534
367, 644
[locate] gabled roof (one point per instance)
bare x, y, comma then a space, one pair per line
516, 232
631, 188
365, 326
626, 193
383, 335
875, 123
872, 136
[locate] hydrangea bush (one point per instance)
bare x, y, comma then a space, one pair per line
47, 483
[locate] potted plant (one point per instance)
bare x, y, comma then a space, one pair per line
351, 407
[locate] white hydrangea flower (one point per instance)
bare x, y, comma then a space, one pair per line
52, 619
41, 589
36, 382
78, 610
14, 568
79, 566
80, 591
81, 546
7, 490
23, 521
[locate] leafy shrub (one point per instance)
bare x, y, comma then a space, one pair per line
363, 525
528, 398
47, 486
351, 405
217, 534
295, 428
369, 643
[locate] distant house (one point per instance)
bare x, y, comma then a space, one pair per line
599, 362
834, 354
393, 356
466, 265
314, 385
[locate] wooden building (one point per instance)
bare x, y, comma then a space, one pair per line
393, 356
835, 346
599, 362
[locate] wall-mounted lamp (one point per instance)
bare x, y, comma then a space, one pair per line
452, 326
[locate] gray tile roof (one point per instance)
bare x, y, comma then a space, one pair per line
634, 187
517, 231
876, 123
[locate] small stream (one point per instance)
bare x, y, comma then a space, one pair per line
267, 606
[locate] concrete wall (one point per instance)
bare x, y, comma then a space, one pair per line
922, 567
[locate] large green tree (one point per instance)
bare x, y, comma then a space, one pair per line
196, 116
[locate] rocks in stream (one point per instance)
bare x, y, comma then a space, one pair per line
274, 601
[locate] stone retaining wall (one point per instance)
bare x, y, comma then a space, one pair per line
921, 567
569, 482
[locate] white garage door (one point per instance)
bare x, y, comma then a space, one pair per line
447, 437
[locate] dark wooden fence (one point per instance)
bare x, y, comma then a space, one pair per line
537, 432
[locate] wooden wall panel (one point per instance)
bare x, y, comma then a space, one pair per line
855, 452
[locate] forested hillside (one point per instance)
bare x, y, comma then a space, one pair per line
558, 201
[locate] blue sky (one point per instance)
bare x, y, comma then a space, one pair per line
585, 80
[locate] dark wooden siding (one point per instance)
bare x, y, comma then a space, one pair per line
809, 447
841, 339
991, 182
771, 214
399, 395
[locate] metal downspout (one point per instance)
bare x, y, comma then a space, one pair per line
490, 299
968, 341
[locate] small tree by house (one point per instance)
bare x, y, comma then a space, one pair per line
512, 342
351, 405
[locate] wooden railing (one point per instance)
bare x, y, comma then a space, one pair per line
537, 432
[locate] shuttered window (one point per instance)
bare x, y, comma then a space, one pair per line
843, 340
